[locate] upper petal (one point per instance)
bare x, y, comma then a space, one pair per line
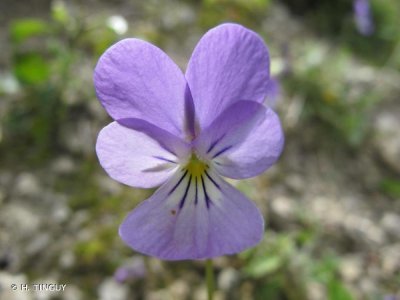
137, 158
134, 79
230, 63
243, 141
193, 218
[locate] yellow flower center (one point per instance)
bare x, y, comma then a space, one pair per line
196, 167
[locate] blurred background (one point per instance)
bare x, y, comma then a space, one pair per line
332, 203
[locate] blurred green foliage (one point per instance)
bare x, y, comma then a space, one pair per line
283, 267
246, 12
391, 187
23, 29
328, 101
46, 57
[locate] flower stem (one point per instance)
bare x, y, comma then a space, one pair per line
210, 279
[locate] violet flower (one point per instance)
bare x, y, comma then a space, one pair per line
133, 269
273, 92
390, 297
185, 133
362, 17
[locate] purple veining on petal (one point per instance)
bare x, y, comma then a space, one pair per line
260, 142
207, 198
127, 155
157, 168
212, 180
223, 150
241, 112
230, 225
164, 159
177, 184
196, 195
182, 202
252, 143
167, 140
363, 17
213, 144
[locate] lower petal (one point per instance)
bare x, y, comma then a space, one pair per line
193, 217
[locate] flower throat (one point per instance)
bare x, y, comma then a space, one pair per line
196, 167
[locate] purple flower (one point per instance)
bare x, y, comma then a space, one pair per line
133, 269
390, 297
185, 133
273, 92
362, 17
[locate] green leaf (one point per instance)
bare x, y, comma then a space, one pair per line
25, 28
272, 289
59, 12
337, 291
264, 265
272, 258
391, 187
31, 68
325, 270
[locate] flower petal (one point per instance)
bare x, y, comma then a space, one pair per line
230, 63
363, 17
193, 218
134, 79
135, 157
273, 93
242, 142
167, 140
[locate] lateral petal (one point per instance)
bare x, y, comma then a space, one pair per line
243, 141
138, 158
